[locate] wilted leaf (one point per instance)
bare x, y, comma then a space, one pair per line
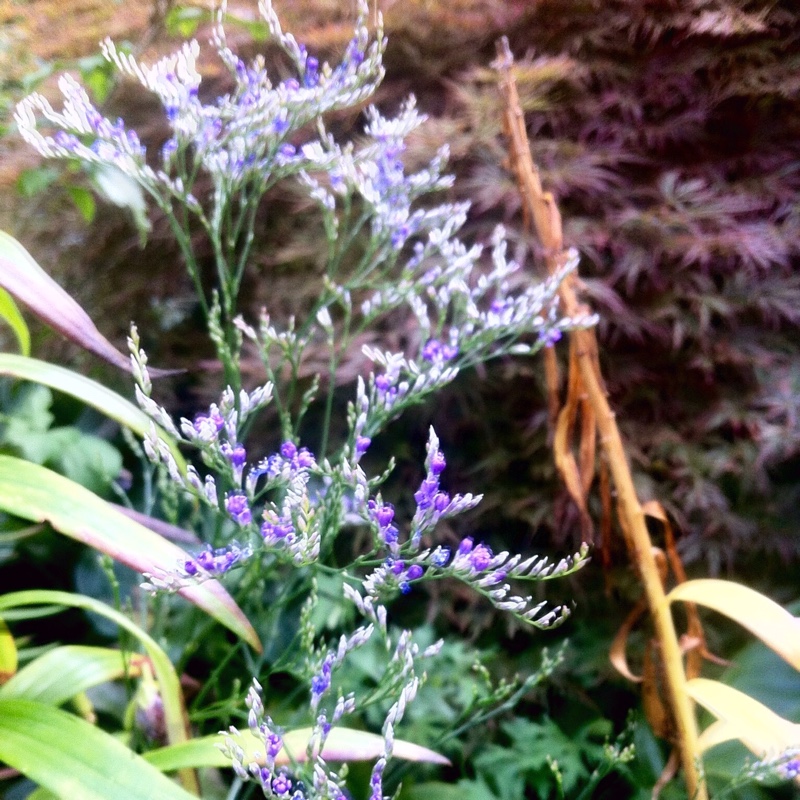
343, 744
23, 278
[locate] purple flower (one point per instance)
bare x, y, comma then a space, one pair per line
480, 557
414, 572
549, 337
274, 744
438, 462
288, 450
465, 547
236, 454
281, 785
362, 445
405, 587
208, 426
305, 459
436, 352
383, 383
390, 534
440, 501
311, 78
425, 494
239, 509
440, 556
384, 514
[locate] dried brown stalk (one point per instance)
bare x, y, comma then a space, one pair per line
587, 391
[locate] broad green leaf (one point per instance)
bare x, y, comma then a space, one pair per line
764, 618
87, 391
76, 760
66, 671
40, 495
10, 313
761, 730
8, 655
343, 744
26, 281
168, 682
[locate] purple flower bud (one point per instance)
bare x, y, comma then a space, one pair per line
384, 514
274, 745
549, 337
432, 350
480, 557
362, 444
390, 534
311, 78
440, 557
383, 383
287, 150
189, 567
405, 587
414, 571
398, 567
440, 501
465, 547
236, 505
438, 462
424, 495
281, 785
288, 450
305, 459
237, 455
449, 352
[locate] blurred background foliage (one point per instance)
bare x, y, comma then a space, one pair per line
669, 132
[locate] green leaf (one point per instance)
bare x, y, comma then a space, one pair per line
76, 760
11, 314
764, 618
88, 391
63, 672
84, 202
40, 495
343, 744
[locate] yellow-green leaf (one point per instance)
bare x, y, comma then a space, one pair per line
8, 655
11, 314
38, 494
87, 391
66, 671
168, 682
76, 760
760, 729
764, 618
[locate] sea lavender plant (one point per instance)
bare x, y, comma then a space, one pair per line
387, 252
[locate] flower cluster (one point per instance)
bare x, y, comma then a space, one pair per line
290, 508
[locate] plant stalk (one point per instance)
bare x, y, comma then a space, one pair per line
541, 210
